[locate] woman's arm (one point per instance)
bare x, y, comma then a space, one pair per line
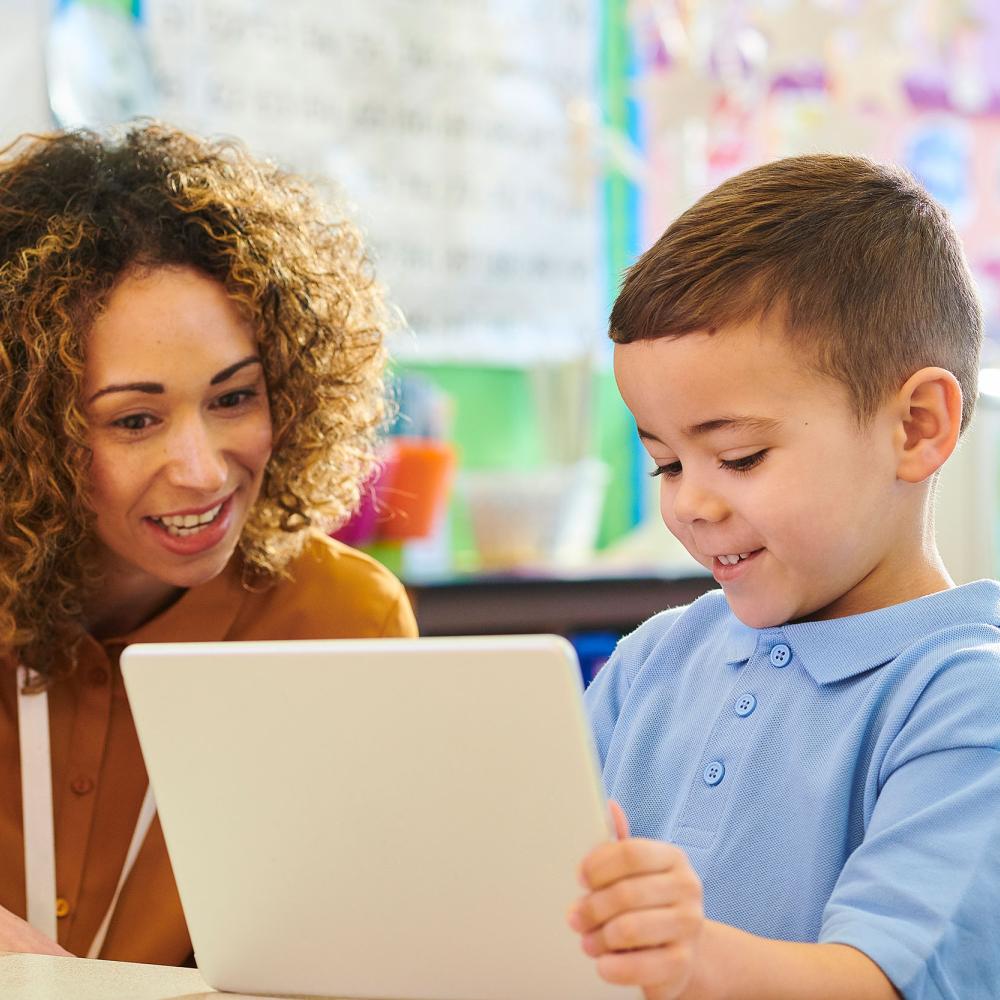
18, 935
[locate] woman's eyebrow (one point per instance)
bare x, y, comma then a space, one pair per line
228, 373
153, 387
158, 388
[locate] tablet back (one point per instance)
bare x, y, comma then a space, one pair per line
376, 818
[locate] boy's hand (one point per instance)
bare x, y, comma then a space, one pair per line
642, 917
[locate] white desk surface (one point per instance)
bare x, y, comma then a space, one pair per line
42, 977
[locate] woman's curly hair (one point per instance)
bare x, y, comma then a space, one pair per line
78, 210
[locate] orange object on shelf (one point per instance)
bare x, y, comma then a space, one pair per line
414, 496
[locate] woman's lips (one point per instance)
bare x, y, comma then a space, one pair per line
196, 511
198, 541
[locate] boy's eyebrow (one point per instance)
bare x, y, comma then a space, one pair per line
157, 388
721, 423
733, 424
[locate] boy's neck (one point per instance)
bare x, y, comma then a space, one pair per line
912, 568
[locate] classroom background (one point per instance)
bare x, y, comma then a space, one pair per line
508, 159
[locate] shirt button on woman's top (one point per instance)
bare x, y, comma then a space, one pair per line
81, 785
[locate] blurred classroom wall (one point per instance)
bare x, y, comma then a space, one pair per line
509, 158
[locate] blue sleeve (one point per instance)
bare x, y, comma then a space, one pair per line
919, 895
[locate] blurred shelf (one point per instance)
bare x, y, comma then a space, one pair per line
564, 604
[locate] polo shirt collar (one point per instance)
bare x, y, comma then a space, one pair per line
839, 648
740, 641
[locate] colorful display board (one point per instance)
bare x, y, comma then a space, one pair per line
726, 85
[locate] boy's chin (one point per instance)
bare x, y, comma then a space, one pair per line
757, 616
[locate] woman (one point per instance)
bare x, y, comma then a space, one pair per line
191, 359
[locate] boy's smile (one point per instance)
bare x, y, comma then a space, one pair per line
767, 478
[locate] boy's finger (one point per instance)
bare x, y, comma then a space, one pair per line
610, 862
620, 819
641, 893
651, 967
638, 929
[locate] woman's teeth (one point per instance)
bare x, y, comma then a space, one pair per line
188, 524
732, 560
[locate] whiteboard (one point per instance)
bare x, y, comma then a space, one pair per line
462, 132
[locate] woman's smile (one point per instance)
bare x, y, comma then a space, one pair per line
190, 533
187, 522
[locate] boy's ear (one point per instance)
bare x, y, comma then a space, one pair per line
930, 408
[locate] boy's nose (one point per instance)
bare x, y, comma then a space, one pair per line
694, 503
196, 461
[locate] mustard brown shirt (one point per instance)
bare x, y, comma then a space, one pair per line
98, 776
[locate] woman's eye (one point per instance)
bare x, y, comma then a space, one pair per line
133, 422
235, 398
669, 470
746, 463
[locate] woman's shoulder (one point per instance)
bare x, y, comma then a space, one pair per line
325, 556
328, 591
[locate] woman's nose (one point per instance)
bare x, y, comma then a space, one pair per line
196, 460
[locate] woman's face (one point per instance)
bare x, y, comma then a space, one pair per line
180, 428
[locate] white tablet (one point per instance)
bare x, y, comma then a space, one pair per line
387, 818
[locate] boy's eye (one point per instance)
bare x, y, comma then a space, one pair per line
746, 463
670, 470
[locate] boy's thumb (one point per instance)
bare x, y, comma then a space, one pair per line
620, 820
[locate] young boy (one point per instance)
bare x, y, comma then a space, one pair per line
809, 759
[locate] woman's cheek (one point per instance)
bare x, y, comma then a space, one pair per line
258, 444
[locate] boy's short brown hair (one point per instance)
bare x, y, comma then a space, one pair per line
864, 265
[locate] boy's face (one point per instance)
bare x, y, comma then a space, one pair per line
761, 457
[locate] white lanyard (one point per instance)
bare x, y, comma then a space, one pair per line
39, 823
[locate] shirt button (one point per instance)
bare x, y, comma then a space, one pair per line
62, 907
714, 772
745, 704
780, 655
97, 677
82, 785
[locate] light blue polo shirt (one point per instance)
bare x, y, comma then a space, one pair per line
830, 781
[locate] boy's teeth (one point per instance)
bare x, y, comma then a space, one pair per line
733, 559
